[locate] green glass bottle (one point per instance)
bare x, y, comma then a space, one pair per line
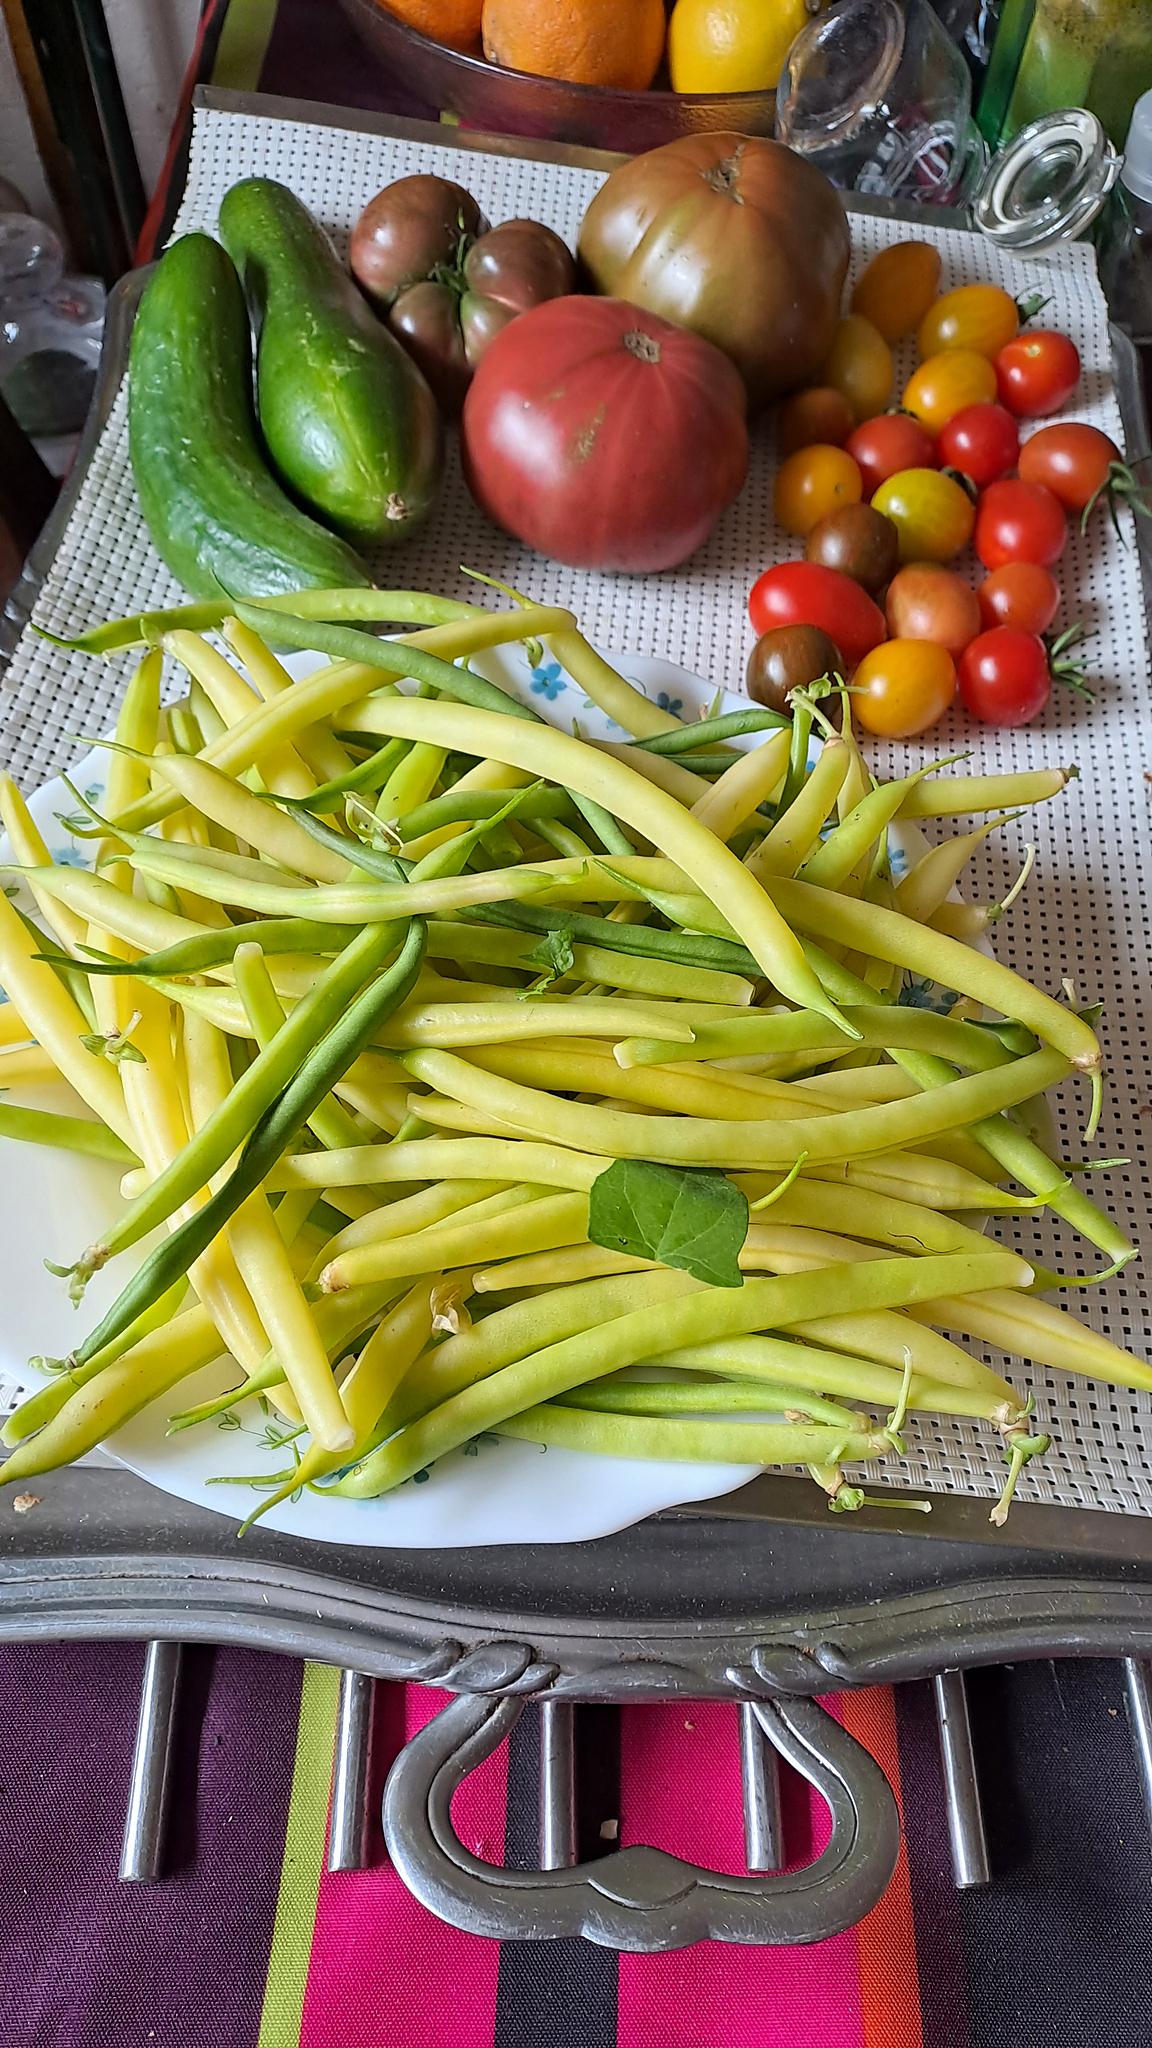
1067, 53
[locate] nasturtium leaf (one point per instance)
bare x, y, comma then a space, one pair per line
681, 1216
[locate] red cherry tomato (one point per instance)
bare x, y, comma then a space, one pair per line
1037, 373
807, 594
884, 446
982, 441
1071, 460
1021, 594
1018, 522
1004, 678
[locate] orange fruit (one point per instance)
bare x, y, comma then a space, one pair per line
455, 23
586, 42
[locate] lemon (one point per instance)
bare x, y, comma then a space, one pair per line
731, 45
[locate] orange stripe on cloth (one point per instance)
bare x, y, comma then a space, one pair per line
886, 1937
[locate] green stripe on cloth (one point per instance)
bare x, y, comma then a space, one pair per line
243, 44
304, 1844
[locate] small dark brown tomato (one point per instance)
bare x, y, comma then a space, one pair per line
521, 263
409, 228
859, 541
426, 319
481, 320
789, 658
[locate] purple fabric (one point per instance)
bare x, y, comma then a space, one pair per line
86, 1962
315, 54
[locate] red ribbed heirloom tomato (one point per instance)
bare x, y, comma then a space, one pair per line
603, 436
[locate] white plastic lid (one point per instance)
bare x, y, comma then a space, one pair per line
1137, 171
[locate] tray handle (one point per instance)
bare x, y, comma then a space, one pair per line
640, 1898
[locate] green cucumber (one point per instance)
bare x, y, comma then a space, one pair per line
349, 420
219, 520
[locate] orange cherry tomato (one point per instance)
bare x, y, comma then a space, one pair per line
928, 602
896, 289
819, 414
813, 482
982, 317
860, 365
946, 384
903, 687
932, 513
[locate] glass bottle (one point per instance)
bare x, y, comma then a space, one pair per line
879, 96
50, 331
1064, 53
1125, 238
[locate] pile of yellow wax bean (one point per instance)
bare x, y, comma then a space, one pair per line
370, 985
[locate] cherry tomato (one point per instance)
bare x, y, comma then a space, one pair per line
807, 594
903, 687
1072, 461
890, 443
859, 364
927, 602
976, 316
1018, 522
949, 383
1022, 595
1004, 677
788, 658
1037, 373
896, 289
858, 541
818, 414
932, 513
982, 441
812, 483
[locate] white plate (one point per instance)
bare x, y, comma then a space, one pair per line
53, 1204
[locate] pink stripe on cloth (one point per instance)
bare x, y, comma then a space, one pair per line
378, 1957
680, 1789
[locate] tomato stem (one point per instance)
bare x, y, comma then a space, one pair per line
1031, 303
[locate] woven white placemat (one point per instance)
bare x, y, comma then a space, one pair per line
1086, 914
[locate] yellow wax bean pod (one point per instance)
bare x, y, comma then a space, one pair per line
59, 1025
28, 847
540, 750
701, 1141
798, 828
319, 749
737, 794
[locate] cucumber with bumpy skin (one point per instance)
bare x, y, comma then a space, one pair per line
218, 518
348, 418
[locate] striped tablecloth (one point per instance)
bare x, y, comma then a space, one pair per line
246, 1944
249, 1944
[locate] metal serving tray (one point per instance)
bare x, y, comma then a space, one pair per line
762, 1598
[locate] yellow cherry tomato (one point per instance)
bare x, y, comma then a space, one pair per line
932, 513
813, 482
860, 365
903, 687
982, 317
897, 288
731, 45
946, 383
